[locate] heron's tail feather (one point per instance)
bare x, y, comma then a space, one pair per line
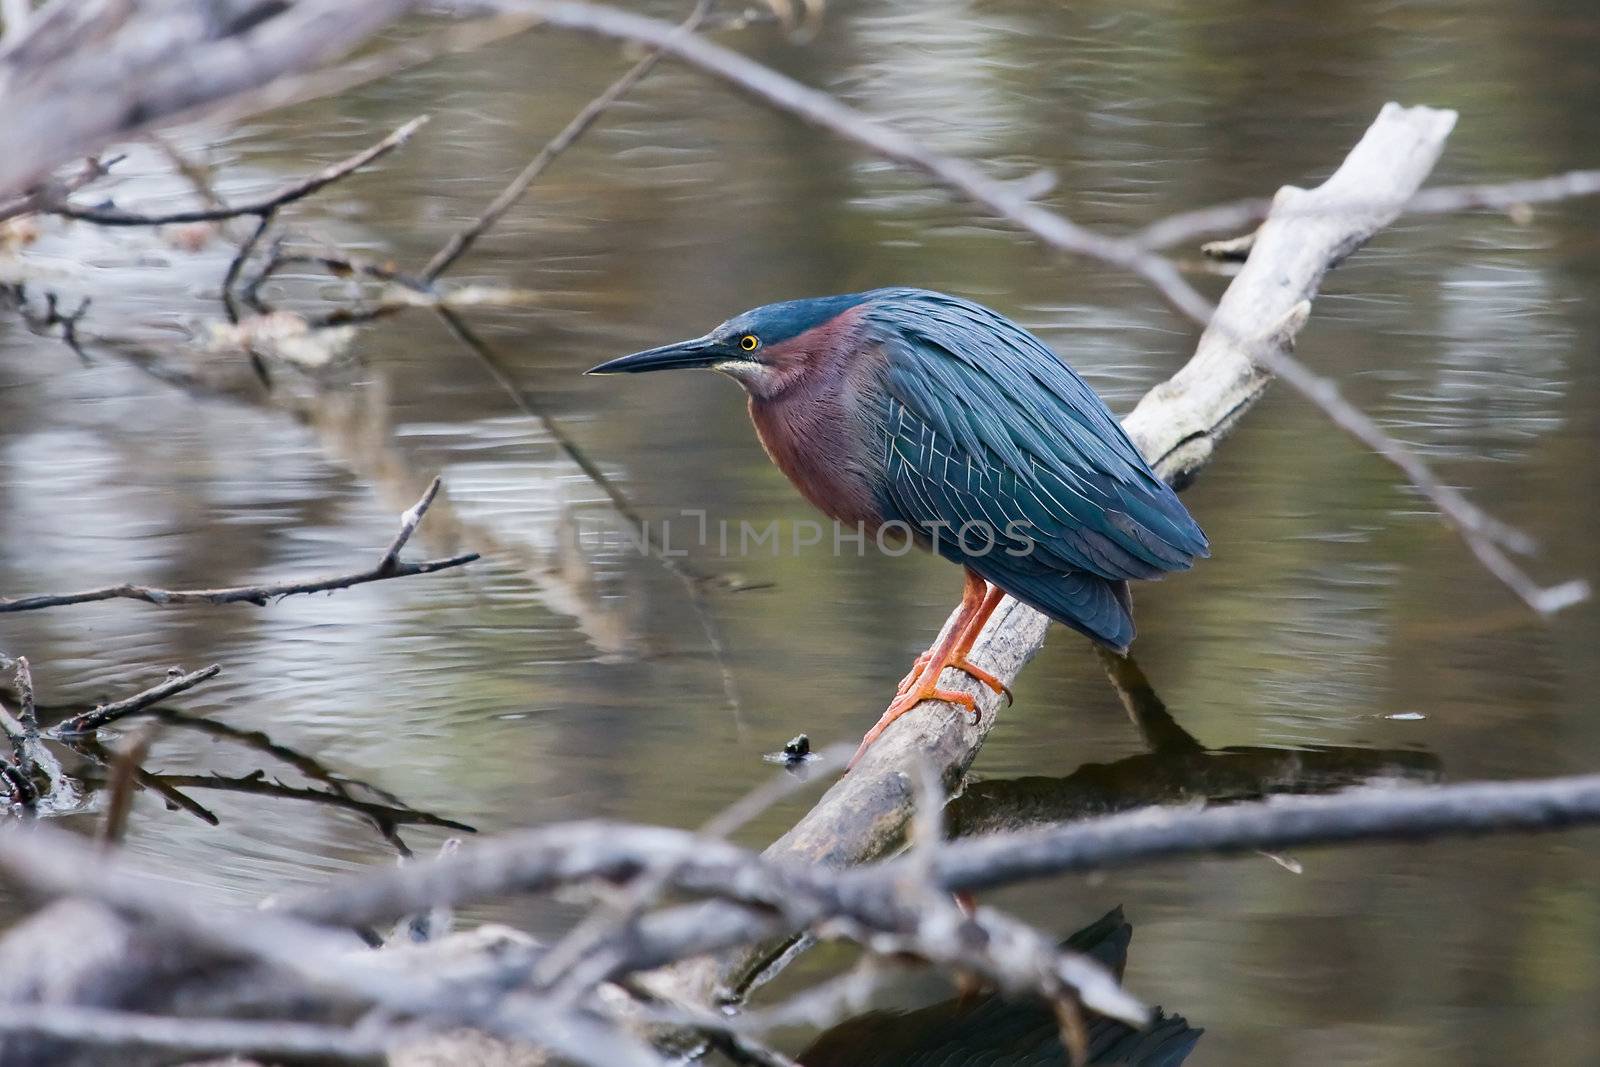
1092, 605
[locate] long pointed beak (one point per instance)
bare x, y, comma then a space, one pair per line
700, 352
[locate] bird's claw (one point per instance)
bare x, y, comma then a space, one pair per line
911, 676
983, 676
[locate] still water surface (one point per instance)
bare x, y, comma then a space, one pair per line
565, 676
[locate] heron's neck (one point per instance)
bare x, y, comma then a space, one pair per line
822, 429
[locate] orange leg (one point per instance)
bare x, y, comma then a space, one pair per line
978, 602
916, 668
958, 655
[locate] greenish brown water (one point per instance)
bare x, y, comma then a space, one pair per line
565, 676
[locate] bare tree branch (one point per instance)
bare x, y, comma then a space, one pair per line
1189, 226
388, 566
105, 714
261, 206
542, 860
256, 783
461, 242
53, 862
1401, 813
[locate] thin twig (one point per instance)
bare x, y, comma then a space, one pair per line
462, 241
176, 797
198, 175
389, 562
105, 714
55, 191
288, 194
1189, 226
388, 566
236, 264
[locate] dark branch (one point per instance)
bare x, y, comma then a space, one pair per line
105, 714
262, 206
388, 566
257, 784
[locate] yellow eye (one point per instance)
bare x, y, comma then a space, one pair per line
749, 342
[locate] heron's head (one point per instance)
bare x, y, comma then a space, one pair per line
765, 349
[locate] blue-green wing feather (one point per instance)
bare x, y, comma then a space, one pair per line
986, 425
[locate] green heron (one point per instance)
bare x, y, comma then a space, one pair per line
947, 421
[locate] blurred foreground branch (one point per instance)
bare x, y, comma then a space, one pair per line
85, 73
741, 896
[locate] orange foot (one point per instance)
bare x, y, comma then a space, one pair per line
970, 669
963, 665
978, 602
911, 676
925, 689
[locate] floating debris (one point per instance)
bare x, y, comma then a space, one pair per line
796, 752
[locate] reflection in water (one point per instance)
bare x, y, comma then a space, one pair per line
1178, 769
996, 1032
